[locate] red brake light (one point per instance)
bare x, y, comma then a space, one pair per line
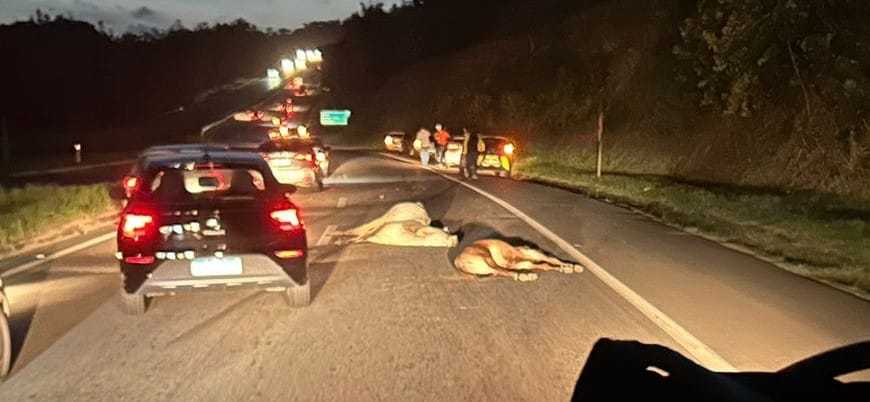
286, 216
136, 226
287, 219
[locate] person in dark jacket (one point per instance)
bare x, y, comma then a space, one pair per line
471, 150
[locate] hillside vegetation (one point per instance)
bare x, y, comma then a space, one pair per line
761, 93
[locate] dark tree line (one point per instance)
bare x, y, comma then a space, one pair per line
736, 56
61, 76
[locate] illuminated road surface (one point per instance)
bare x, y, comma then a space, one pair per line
400, 323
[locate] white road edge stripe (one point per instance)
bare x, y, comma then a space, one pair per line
326, 236
700, 351
58, 254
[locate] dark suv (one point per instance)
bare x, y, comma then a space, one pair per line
210, 220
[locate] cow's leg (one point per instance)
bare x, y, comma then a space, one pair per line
515, 275
539, 259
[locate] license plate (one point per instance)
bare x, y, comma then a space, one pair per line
213, 266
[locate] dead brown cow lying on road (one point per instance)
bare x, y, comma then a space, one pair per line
490, 257
408, 224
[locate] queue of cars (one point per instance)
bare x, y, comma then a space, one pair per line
498, 157
219, 214
203, 218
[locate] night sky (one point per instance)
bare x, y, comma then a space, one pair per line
134, 15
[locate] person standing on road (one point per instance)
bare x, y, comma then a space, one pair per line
471, 149
442, 138
424, 137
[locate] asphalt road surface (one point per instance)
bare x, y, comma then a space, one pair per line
390, 323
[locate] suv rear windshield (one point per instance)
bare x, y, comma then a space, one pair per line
180, 185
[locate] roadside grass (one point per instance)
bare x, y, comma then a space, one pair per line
823, 236
31, 211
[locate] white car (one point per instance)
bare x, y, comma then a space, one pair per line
396, 141
453, 152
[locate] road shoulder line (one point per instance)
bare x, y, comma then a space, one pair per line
700, 351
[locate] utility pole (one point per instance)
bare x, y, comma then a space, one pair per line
600, 143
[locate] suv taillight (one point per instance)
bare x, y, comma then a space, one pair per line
135, 226
287, 218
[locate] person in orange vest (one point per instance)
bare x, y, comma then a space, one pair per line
442, 138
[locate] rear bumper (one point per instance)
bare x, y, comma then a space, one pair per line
259, 271
496, 162
452, 158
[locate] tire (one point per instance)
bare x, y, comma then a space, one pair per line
5, 346
133, 304
299, 296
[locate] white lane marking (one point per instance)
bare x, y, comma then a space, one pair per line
326, 237
214, 123
67, 251
700, 351
342, 202
29, 173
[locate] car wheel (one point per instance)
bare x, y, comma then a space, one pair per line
5, 346
133, 304
299, 296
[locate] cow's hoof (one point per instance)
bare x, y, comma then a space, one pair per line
571, 268
527, 277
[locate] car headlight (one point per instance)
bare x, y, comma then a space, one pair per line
418, 145
388, 140
509, 149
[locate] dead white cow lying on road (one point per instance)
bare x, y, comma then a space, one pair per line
405, 224
491, 257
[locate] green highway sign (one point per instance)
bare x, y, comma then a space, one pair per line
334, 117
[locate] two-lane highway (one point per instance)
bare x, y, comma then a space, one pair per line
389, 323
